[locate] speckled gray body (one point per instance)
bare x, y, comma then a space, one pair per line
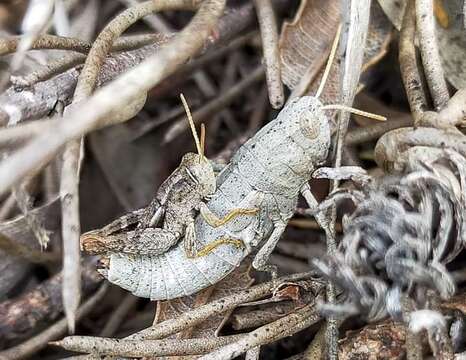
276, 163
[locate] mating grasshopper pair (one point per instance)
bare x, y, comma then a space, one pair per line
170, 215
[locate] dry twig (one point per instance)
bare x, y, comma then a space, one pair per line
269, 34
425, 25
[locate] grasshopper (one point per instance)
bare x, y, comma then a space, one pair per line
263, 180
170, 215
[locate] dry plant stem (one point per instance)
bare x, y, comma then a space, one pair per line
206, 112
425, 26
71, 229
202, 313
356, 20
117, 317
44, 41
373, 132
286, 326
153, 20
103, 44
255, 318
269, 35
122, 90
408, 64
40, 341
46, 72
140, 348
53, 42
13, 136
188, 69
69, 186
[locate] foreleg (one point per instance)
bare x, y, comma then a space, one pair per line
354, 173
262, 257
151, 217
312, 202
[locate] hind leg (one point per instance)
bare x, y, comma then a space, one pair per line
261, 259
151, 241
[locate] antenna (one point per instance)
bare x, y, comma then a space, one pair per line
202, 139
355, 111
191, 124
331, 57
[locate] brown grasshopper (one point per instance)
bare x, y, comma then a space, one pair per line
170, 215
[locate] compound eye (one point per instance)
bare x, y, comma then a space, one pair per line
309, 125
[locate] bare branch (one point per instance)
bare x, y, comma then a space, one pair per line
286, 326
425, 25
269, 34
140, 348
215, 105
408, 64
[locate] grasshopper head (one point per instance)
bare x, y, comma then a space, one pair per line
309, 126
201, 172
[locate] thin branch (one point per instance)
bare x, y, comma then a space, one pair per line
54, 42
155, 21
141, 348
44, 41
373, 132
408, 64
425, 25
286, 326
208, 110
269, 35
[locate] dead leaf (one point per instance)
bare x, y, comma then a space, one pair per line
305, 44
239, 279
306, 41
